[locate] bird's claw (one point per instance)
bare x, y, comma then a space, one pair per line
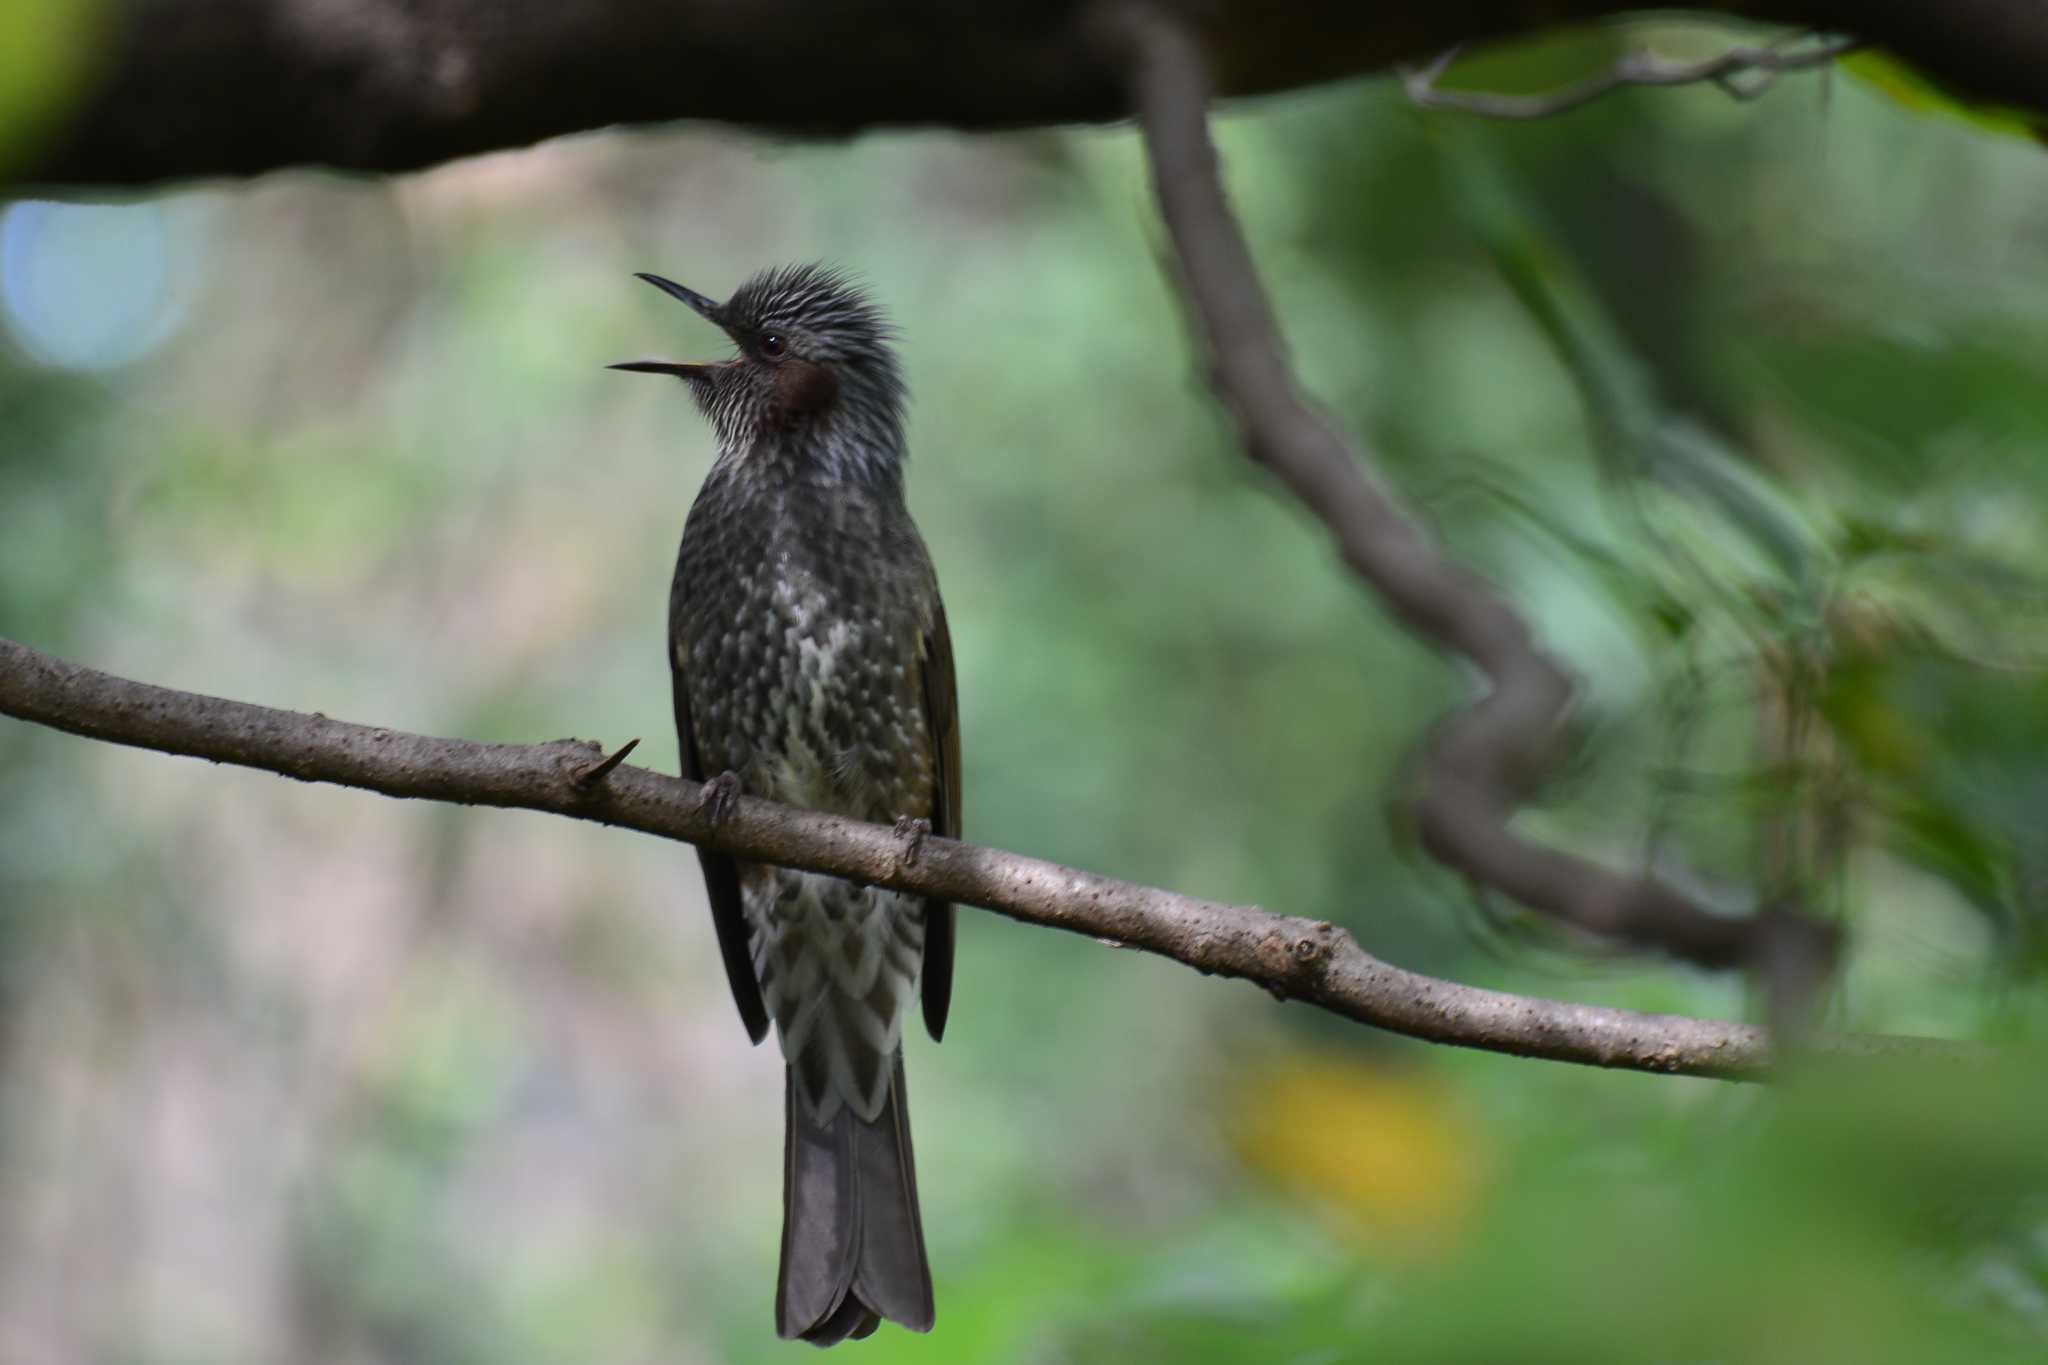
718, 795
910, 833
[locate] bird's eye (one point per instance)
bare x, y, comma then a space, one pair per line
772, 345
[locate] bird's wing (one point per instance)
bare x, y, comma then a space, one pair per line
721, 876
942, 721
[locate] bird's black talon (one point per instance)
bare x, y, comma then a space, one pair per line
719, 794
910, 833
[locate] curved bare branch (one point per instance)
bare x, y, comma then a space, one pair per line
1480, 759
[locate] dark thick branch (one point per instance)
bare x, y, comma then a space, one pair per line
1481, 759
1298, 958
190, 88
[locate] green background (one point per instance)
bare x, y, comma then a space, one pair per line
1742, 402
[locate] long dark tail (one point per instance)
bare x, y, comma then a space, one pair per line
852, 1242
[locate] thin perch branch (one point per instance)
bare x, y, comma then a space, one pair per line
1483, 758
1297, 958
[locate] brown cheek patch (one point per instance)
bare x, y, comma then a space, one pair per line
803, 389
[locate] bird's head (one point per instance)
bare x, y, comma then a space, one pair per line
814, 361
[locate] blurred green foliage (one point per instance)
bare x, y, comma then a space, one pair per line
49, 49
1742, 403
1917, 91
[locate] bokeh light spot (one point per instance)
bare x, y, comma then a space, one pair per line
87, 286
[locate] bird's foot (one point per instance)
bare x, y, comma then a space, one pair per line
719, 794
910, 834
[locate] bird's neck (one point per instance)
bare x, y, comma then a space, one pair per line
831, 456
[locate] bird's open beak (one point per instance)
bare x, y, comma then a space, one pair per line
704, 307
679, 368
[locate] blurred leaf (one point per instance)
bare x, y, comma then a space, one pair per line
1903, 400
1923, 94
1940, 839
1641, 439
1810, 1238
44, 56
1951, 753
1542, 61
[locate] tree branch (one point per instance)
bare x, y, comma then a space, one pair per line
184, 88
1483, 758
1742, 72
1296, 958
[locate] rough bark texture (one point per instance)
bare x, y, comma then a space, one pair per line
193, 88
1297, 958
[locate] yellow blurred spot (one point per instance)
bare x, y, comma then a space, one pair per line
1380, 1150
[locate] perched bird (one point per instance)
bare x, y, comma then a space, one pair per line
812, 666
